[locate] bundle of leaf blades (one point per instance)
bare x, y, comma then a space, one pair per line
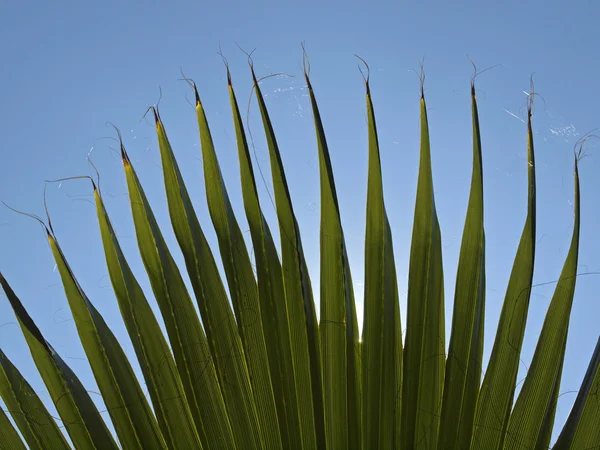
258, 368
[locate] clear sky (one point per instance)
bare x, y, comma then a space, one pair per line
66, 70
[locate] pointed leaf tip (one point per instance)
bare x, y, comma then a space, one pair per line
308, 84
253, 73
196, 94
124, 155
155, 113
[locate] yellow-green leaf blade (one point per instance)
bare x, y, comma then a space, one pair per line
424, 357
581, 429
188, 341
151, 348
295, 418
338, 324
134, 422
9, 438
536, 404
382, 334
218, 319
37, 426
463, 366
497, 391
304, 329
77, 411
242, 286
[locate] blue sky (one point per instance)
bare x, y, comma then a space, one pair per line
67, 70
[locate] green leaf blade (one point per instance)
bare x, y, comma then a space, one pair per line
242, 286
304, 329
9, 438
77, 411
37, 426
463, 366
382, 333
188, 341
134, 422
497, 390
295, 419
533, 414
581, 428
153, 353
338, 323
218, 319
423, 370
